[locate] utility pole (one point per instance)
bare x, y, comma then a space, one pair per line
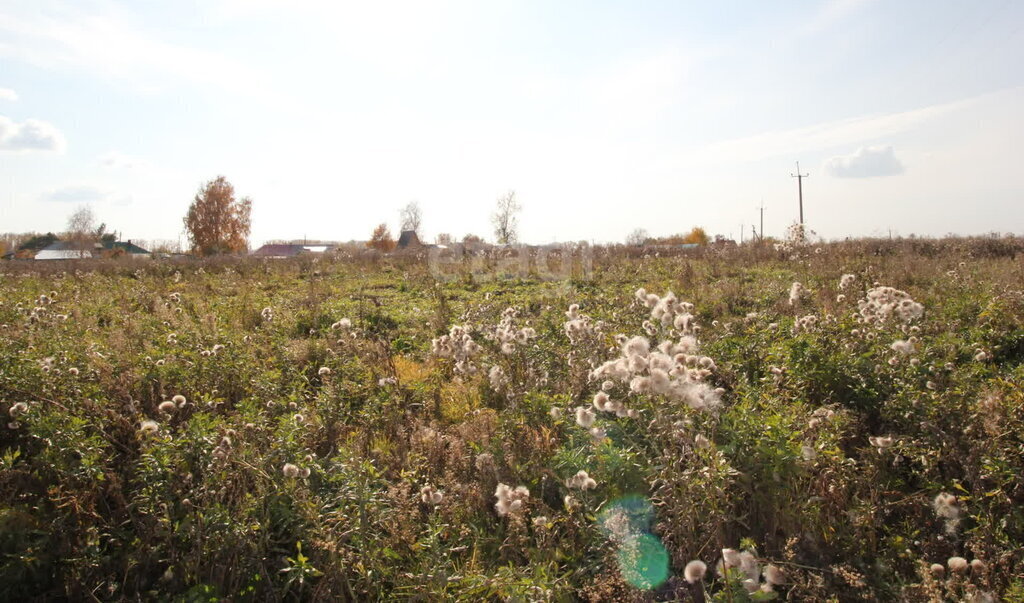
800, 187
761, 235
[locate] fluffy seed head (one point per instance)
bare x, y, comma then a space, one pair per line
957, 564
694, 571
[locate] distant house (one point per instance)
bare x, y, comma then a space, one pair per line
71, 250
68, 250
124, 248
409, 240
288, 250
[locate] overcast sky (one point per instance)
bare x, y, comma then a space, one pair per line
603, 116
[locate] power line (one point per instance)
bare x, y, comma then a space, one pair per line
800, 187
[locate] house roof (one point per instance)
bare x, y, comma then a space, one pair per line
128, 247
70, 246
284, 250
409, 239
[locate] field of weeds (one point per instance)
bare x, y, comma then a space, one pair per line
841, 423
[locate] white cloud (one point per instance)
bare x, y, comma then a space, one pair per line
866, 162
8, 95
76, 194
833, 134
30, 135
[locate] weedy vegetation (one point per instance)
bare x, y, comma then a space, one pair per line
843, 422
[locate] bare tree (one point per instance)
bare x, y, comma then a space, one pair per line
82, 231
444, 239
506, 223
216, 222
637, 238
411, 217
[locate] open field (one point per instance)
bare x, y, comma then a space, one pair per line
336, 438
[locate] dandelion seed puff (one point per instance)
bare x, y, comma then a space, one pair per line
149, 427
290, 470
323, 371
938, 570
731, 557
774, 575
167, 407
957, 564
584, 416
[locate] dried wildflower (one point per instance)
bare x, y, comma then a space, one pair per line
73, 371
290, 470
731, 557
582, 481
584, 417
774, 575
938, 570
149, 427
510, 500
167, 407
958, 565
324, 371
694, 571
796, 291
881, 442
945, 506
431, 495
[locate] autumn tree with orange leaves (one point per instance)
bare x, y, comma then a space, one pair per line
381, 239
216, 222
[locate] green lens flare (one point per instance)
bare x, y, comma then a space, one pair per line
632, 514
643, 561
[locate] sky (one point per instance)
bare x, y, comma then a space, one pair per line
602, 116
